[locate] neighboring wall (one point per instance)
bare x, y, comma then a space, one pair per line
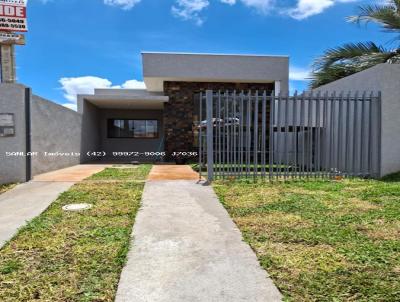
54, 130
384, 78
12, 100
56, 136
110, 145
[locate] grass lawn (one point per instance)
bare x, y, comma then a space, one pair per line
72, 256
323, 240
5, 188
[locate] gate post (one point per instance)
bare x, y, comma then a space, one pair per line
210, 135
379, 173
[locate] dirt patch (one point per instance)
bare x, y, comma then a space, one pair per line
362, 205
384, 231
172, 172
298, 258
344, 206
252, 198
262, 222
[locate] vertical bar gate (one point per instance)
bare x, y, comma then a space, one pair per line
257, 134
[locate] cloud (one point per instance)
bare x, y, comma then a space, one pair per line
190, 10
262, 6
86, 85
307, 8
124, 4
71, 106
299, 74
82, 85
230, 2
300, 11
133, 84
299, 79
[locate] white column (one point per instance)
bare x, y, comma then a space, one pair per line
277, 87
210, 137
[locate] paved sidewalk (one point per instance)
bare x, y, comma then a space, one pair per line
186, 248
28, 200
25, 202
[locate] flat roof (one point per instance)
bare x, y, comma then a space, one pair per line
213, 54
125, 99
159, 67
126, 92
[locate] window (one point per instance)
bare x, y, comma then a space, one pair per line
132, 128
7, 124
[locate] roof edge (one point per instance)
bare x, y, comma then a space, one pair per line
214, 54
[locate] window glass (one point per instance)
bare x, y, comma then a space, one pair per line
132, 128
140, 129
151, 128
115, 128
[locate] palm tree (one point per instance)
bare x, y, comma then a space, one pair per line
350, 58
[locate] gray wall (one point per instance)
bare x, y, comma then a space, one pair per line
110, 145
12, 100
384, 78
55, 129
159, 67
90, 136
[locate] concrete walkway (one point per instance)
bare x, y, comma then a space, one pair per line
25, 202
74, 173
28, 200
186, 248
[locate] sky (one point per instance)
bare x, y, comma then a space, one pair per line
76, 45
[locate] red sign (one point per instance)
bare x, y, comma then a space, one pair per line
13, 15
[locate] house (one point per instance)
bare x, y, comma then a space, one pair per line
123, 125
162, 121
128, 125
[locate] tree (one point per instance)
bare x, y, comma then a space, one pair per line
345, 60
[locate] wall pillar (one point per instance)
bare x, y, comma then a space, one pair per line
13, 160
7, 62
180, 111
278, 87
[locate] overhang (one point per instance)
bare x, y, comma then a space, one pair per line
161, 67
126, 99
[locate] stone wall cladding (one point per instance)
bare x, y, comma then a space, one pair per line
179, 111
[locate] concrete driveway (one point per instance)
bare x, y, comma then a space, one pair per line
28, 200
185, 247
